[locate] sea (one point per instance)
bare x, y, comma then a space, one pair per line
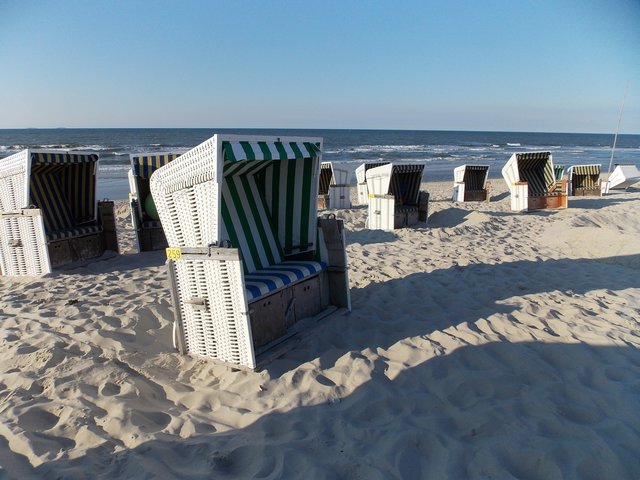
440, 151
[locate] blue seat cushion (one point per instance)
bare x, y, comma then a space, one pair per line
275, 277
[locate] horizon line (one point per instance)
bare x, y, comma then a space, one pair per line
319, 128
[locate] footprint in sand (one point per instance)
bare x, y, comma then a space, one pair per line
150, 422
109, 389
37, 419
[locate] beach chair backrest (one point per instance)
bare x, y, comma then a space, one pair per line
257, 194
144, 164
475, 177
326, 178
536, 168
585, 176
559, 170
63, 186
142, 167
405, 183
277, 181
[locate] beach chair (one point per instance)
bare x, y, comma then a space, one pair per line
559, 169
49, 216
584, 180
470, 183
361, 179
248, 259
334, 189
395, 199
622, 177
144, 217
531, 179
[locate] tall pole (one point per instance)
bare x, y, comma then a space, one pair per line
615, 138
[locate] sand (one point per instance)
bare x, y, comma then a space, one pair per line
485, 345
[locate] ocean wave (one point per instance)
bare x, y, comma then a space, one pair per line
514, 145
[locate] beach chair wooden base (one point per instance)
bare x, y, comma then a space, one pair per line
544, 202
587, 192
475, 196
151, 239
62, 252
272, 316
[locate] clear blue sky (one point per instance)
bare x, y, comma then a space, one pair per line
514, 65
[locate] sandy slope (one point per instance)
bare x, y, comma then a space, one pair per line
484, 345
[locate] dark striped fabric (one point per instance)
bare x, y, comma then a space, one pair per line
63, 186
269, 204
475, 177
585, 176
559, 169
368, 166
144, 165
41, 158
73, 232
405, 183
537, 170
325, 178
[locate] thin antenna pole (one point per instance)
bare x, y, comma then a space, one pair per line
615, 138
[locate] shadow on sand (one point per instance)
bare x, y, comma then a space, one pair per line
498, 410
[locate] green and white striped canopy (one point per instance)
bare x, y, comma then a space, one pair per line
269, 205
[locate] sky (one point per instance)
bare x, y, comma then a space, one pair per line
490, 65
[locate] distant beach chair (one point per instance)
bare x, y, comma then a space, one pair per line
584, 180
532, 182
470, 183
334, 188
248, 257
361, 179
49, 216
622, 177
395, 199
144, 217
559, 169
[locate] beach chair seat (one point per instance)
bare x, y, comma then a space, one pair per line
49, 211
584, 180
470, 183
532, 182
334, 189
273, 278
248, 259
361, 180
395, 199
149, 232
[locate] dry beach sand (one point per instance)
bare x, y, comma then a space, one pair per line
485, 345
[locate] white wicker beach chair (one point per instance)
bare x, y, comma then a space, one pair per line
334, 189
361, 179
149, 233
531, 179
394, 198
248, 257
622, 177
470, 183
48, 211
584, 180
